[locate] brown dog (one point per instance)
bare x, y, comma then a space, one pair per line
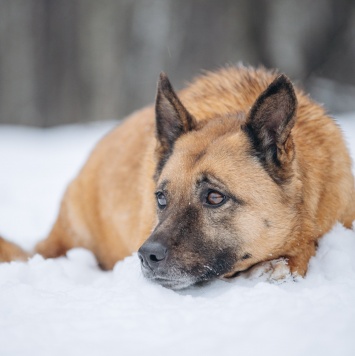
243, 170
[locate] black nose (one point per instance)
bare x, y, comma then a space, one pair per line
152, 254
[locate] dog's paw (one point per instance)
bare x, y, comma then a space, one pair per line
275, 271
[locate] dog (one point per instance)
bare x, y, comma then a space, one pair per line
237, 171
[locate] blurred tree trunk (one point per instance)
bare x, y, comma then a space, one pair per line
84, 60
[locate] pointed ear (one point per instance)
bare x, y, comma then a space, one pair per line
269, 125
172, 119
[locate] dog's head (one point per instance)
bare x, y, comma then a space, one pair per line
226, 188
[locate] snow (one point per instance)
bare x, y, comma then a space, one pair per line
67, 306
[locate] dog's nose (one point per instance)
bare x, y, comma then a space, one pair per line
152, 254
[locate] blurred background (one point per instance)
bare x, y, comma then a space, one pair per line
64, 61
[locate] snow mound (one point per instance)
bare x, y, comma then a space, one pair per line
68, 306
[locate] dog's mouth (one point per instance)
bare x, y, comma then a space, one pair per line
177, 279
231, 275
173, 284
173, 280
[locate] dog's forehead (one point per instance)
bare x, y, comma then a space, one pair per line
222, 153
220, 137
227, 156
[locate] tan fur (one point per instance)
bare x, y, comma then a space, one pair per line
110, 207
11, 252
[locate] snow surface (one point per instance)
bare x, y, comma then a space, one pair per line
68, 306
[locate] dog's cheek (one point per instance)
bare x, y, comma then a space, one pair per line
235, 238
217, 246
262, 235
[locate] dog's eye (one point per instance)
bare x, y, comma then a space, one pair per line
215, 198
161, 199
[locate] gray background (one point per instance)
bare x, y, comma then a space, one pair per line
67, 61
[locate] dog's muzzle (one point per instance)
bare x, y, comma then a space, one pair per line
155, 266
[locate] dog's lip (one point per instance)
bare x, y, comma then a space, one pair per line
231, 275
150, 274
236, 273
167, 281
174, 284
163, 279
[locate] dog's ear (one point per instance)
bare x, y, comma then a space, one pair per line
172, 119
269, 124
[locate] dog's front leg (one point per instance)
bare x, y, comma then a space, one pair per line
282, 269
276, 271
